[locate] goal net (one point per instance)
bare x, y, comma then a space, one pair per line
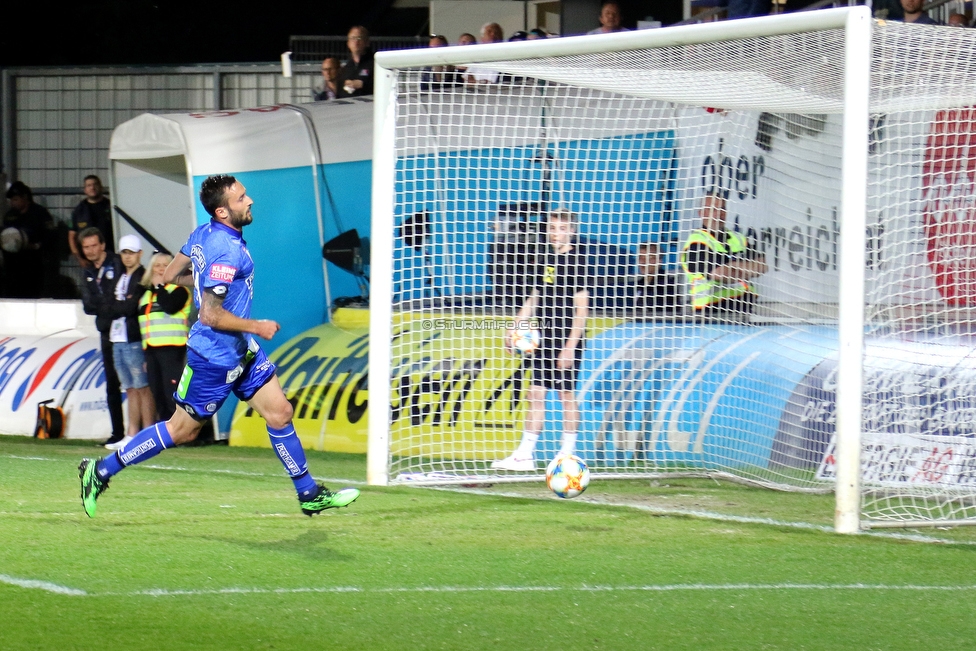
772, 235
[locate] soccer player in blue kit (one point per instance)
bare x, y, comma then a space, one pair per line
222, 355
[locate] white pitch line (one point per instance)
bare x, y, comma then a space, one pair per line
709, 515
703, 515
32, 584
224, 471
681, 587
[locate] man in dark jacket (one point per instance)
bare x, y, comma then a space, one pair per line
97, 296
356, 76
27, 239
94, 210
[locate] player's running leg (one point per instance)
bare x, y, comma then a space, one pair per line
270, 402
96, 473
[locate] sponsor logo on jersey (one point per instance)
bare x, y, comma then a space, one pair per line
211, 407
222, 272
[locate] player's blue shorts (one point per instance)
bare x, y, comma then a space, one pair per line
204, 387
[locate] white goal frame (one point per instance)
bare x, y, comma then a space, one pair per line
856, 22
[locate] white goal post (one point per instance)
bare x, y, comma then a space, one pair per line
841, 152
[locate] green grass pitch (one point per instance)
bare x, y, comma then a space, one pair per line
206, 548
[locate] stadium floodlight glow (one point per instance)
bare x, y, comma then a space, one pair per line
839, 160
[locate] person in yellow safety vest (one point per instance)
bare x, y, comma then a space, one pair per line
164, 312
718, 265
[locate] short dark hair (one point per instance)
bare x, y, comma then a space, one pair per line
93, 177
19, 189
91, 231
212, 192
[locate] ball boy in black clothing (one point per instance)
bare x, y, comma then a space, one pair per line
558, 301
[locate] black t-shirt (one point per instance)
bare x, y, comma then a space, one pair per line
352, 71
97, 214
558, 278
658, 291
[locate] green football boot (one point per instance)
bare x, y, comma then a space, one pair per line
91, 485
327, 499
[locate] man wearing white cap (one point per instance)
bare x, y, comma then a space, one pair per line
130, 362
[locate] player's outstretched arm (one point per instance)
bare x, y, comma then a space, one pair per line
179, 271
213, 315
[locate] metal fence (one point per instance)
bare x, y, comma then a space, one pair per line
312, 49
57, 122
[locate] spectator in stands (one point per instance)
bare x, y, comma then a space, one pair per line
464, 39
356, 76
438, 77
164, 312
656, 288
609, 19
490, 33
520, 35
718, 265
914, 14
130, 361
101, 273
748, 8
29, 249
537, 33
94, 210
957, 20
330, 83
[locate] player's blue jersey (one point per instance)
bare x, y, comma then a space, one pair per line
221, 264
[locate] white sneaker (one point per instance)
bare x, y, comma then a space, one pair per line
514, 462
119, 444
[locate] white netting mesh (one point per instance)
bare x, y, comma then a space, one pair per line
631, 143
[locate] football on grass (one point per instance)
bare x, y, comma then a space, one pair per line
567, 475
525, 341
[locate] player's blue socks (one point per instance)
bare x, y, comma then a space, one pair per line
288, 447
144, 445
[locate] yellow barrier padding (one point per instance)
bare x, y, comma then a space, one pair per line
451, 383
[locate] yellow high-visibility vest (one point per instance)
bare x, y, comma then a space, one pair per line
159, 328
702, 289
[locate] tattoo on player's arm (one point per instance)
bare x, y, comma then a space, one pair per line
211, 308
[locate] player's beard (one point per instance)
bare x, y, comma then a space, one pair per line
240, 219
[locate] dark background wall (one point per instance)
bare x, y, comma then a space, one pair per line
82, 32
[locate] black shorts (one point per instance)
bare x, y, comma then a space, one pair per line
546, 373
